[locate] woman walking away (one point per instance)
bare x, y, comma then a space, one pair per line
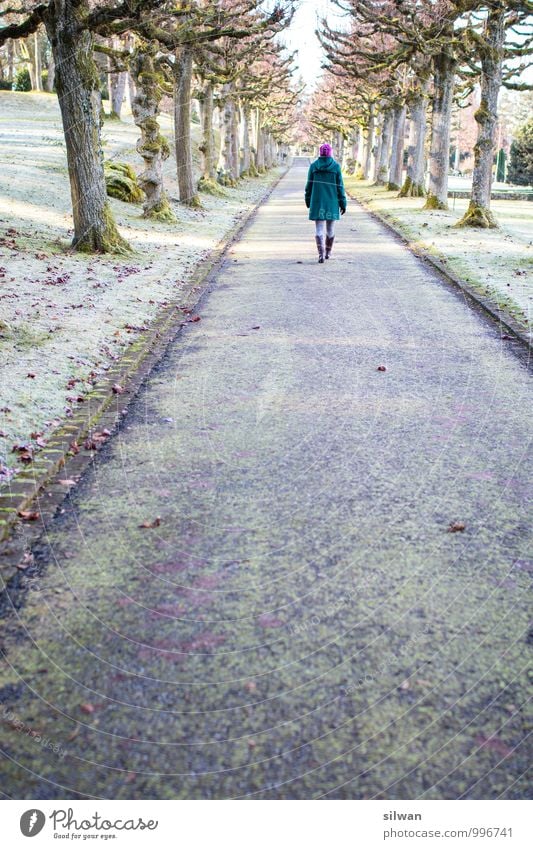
324, 197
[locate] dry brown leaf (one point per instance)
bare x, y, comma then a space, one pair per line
29, 515
155, 524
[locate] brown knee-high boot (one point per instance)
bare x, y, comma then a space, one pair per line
329, 245
320, 245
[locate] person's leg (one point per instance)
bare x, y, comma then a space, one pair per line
320, 229
330, 237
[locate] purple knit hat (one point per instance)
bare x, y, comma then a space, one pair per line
325, 149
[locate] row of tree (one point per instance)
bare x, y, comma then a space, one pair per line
224, 53
399, 57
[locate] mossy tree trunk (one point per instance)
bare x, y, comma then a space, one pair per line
416, 156
152, 146
382, 158
182, 125
478, 213
444, 65
78, 90
397, 146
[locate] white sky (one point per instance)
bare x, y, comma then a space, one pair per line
301, 36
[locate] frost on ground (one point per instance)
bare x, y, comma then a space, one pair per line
497, 263
64, 316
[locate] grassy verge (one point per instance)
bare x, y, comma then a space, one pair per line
66, 319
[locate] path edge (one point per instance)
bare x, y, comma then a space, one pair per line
500, 316
68, 449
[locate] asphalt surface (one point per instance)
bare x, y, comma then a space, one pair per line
302, 623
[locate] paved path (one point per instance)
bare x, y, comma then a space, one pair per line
301, 624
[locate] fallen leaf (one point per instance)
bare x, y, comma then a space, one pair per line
74, 447
31, 374
268, 620
29, 515
117, 389
494, 743
67, 482
155, 524
454, 527
381, 368
87, 707
25, 452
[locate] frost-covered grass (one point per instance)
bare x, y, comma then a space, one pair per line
497, 263
64, 316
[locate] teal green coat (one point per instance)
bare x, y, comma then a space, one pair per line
324, 191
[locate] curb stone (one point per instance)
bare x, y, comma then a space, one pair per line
502, 318
58, 467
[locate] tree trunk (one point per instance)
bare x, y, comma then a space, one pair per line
340, 149
443, 83
116, 83
152, 146
397, 146
414, 180
10, 60
117, 92
51, 68
478, 213
247, 169
182, 125
355, 141
78, 90
229, 176
132, 88
382, 160
268, 151
260, 155
37, 62
235, 141
369, 143
208, 137
379, 139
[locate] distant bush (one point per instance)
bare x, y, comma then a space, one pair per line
22, 80
520, 170
5, 85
